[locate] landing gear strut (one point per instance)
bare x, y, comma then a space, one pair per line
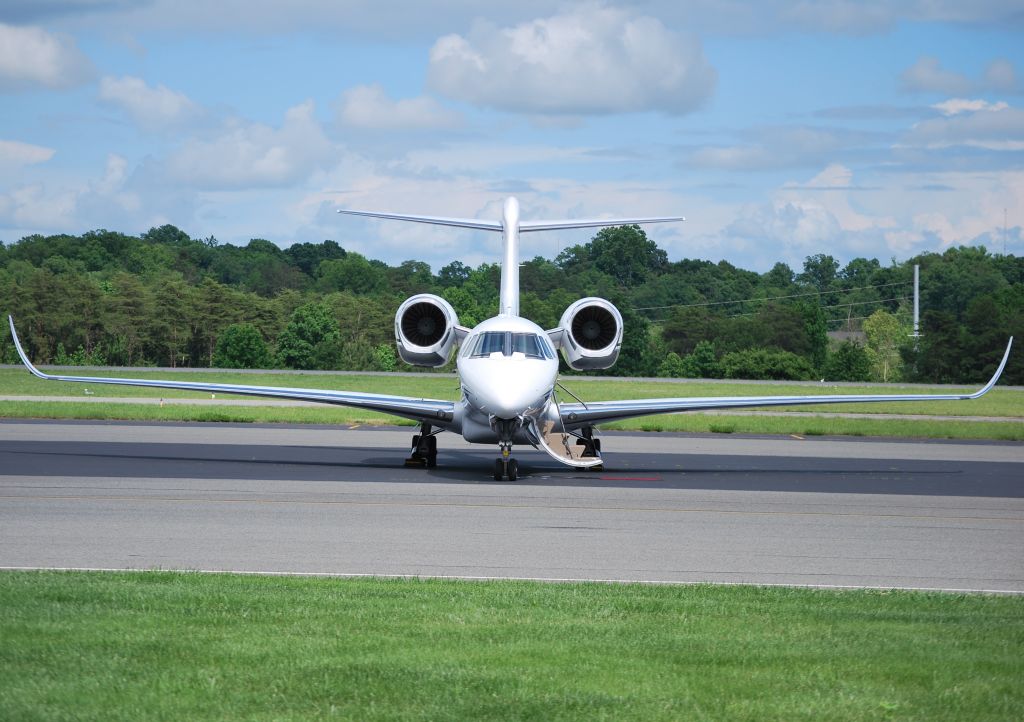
591, 446
506, 466
424, 448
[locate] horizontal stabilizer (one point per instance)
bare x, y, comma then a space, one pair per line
433, 220
530, 226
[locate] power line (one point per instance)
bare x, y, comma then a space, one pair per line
767, 298
844, 321
835, 305
864, 303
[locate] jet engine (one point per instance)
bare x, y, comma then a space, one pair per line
591, 334
426, 330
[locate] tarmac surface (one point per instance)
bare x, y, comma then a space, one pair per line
670, 508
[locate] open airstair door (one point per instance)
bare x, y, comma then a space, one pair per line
560, 445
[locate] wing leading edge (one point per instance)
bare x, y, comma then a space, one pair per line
434, 411
577, 415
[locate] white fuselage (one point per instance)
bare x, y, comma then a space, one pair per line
507, 364
507, 370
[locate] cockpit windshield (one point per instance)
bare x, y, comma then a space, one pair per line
507, 343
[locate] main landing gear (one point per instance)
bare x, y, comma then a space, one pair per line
591, 446
424, 448
506, 466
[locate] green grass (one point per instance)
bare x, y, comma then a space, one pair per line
802, 424
1005, 404
162, 645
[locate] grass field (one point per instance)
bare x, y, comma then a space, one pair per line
162, 645
1006, 405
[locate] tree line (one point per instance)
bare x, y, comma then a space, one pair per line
166, 299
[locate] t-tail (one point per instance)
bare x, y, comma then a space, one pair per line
510, 227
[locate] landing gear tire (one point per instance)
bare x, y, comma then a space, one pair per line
424, 449
506, 469
431, 452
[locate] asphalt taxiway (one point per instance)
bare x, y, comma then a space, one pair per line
667, 507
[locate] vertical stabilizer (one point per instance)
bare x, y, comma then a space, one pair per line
510, 258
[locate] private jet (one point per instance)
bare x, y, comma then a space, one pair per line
508, 366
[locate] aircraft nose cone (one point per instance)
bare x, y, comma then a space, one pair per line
506, 403
505, 390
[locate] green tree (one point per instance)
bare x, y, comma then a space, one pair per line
849, 362
671, 367
761, 363
386, 357
702, 363
940, 352
817, 332
129, 312
885, 336
173, 325
308, 256
241, 346
624, 253
410, 278
215, 310
820, 272
311, 339
633, 359
454, 274
352, 273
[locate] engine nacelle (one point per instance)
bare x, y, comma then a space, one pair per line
425, 330
591, 334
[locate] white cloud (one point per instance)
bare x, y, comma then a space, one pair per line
995, 127
250, 155
591, 60
75, 205
955, 106
152, 108
16, 154
928, 76
900, 218
32, 57
780, 147
1001, 76
369, 107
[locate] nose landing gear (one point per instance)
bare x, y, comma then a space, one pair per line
506, 466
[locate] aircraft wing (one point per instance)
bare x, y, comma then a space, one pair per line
576, 415
432, 411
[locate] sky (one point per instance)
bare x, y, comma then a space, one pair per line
779, 128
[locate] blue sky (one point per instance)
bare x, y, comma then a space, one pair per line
780, 128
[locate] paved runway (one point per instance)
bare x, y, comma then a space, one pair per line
667, 508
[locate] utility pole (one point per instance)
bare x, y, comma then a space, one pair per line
917, 318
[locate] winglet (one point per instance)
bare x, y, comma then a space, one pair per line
995, 377
21, 352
